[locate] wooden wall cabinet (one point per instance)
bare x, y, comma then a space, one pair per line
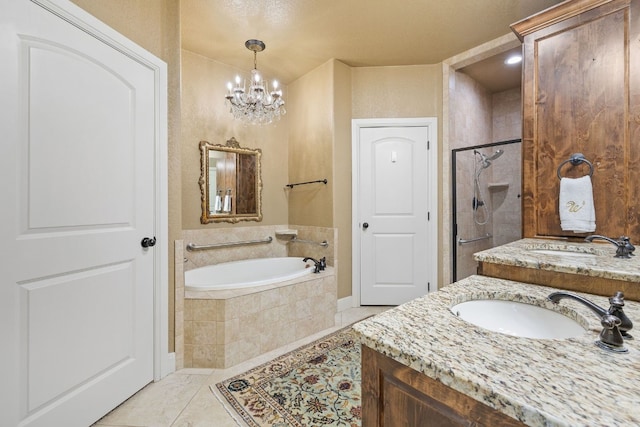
394, 395
581, 94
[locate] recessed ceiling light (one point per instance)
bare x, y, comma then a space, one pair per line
513, 59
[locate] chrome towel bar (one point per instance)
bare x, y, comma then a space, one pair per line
193, 247
462, 241
324, 243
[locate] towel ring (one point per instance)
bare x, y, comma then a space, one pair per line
575, 160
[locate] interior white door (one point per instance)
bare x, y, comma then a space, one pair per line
394, 214
77, 161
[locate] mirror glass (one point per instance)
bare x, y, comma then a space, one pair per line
230, 183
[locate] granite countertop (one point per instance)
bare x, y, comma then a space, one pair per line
590, 259
541, 382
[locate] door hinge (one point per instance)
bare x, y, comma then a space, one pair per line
428, 216
428, 144
428, 286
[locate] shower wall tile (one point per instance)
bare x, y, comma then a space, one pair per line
479, 117
507, 115
471, 113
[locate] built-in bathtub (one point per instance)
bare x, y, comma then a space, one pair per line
246, 273
238, 310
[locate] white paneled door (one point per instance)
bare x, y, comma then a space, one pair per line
79, 132
397, 243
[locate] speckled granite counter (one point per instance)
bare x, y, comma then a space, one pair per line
568, 382
601, 263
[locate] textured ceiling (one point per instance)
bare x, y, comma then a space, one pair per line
302, 34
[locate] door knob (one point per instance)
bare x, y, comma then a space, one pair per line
365, 225
148, 242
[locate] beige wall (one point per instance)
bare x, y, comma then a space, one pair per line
311, 147
342, 101
206, 117
155, 25
403, 91
320, 147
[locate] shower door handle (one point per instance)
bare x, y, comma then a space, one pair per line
365, 225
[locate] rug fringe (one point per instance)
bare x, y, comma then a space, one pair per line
233, 414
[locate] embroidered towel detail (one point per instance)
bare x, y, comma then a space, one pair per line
577, 212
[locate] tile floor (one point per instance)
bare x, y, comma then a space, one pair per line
183, 399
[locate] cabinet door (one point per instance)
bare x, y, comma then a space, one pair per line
394, 395
580, 96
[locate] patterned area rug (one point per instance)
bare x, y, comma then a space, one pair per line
315, 385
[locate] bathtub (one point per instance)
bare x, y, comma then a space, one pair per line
246, 273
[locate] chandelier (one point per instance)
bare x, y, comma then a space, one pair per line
258, 105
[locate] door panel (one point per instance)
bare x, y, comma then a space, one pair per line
80, 143
51, 310
78, 153
393, 202
393, 259
392, 175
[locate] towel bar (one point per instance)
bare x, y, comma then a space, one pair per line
323, 181
575, 160
193, 247
462, 241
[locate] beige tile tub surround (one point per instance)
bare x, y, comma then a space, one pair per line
277, 248
221, 235
224, 328
218, 329
315, 234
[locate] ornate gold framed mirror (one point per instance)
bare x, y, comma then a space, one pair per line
230, 183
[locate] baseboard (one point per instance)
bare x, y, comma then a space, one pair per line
345, 303
169, 364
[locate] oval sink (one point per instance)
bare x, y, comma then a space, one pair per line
518, 319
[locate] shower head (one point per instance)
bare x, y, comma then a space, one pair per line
497, 154
486, 160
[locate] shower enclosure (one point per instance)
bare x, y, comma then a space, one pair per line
486, 201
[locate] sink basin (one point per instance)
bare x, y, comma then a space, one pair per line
518, 319
562, 253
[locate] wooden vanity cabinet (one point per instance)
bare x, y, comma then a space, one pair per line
581, 94
394, 395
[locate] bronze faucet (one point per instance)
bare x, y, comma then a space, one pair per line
624, 248
319, 264
615, 323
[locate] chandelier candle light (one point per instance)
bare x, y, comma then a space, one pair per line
258, 106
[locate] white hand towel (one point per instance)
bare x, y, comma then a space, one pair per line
227, 203
577, 212
218, 204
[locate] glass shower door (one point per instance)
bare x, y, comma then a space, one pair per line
487, 183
